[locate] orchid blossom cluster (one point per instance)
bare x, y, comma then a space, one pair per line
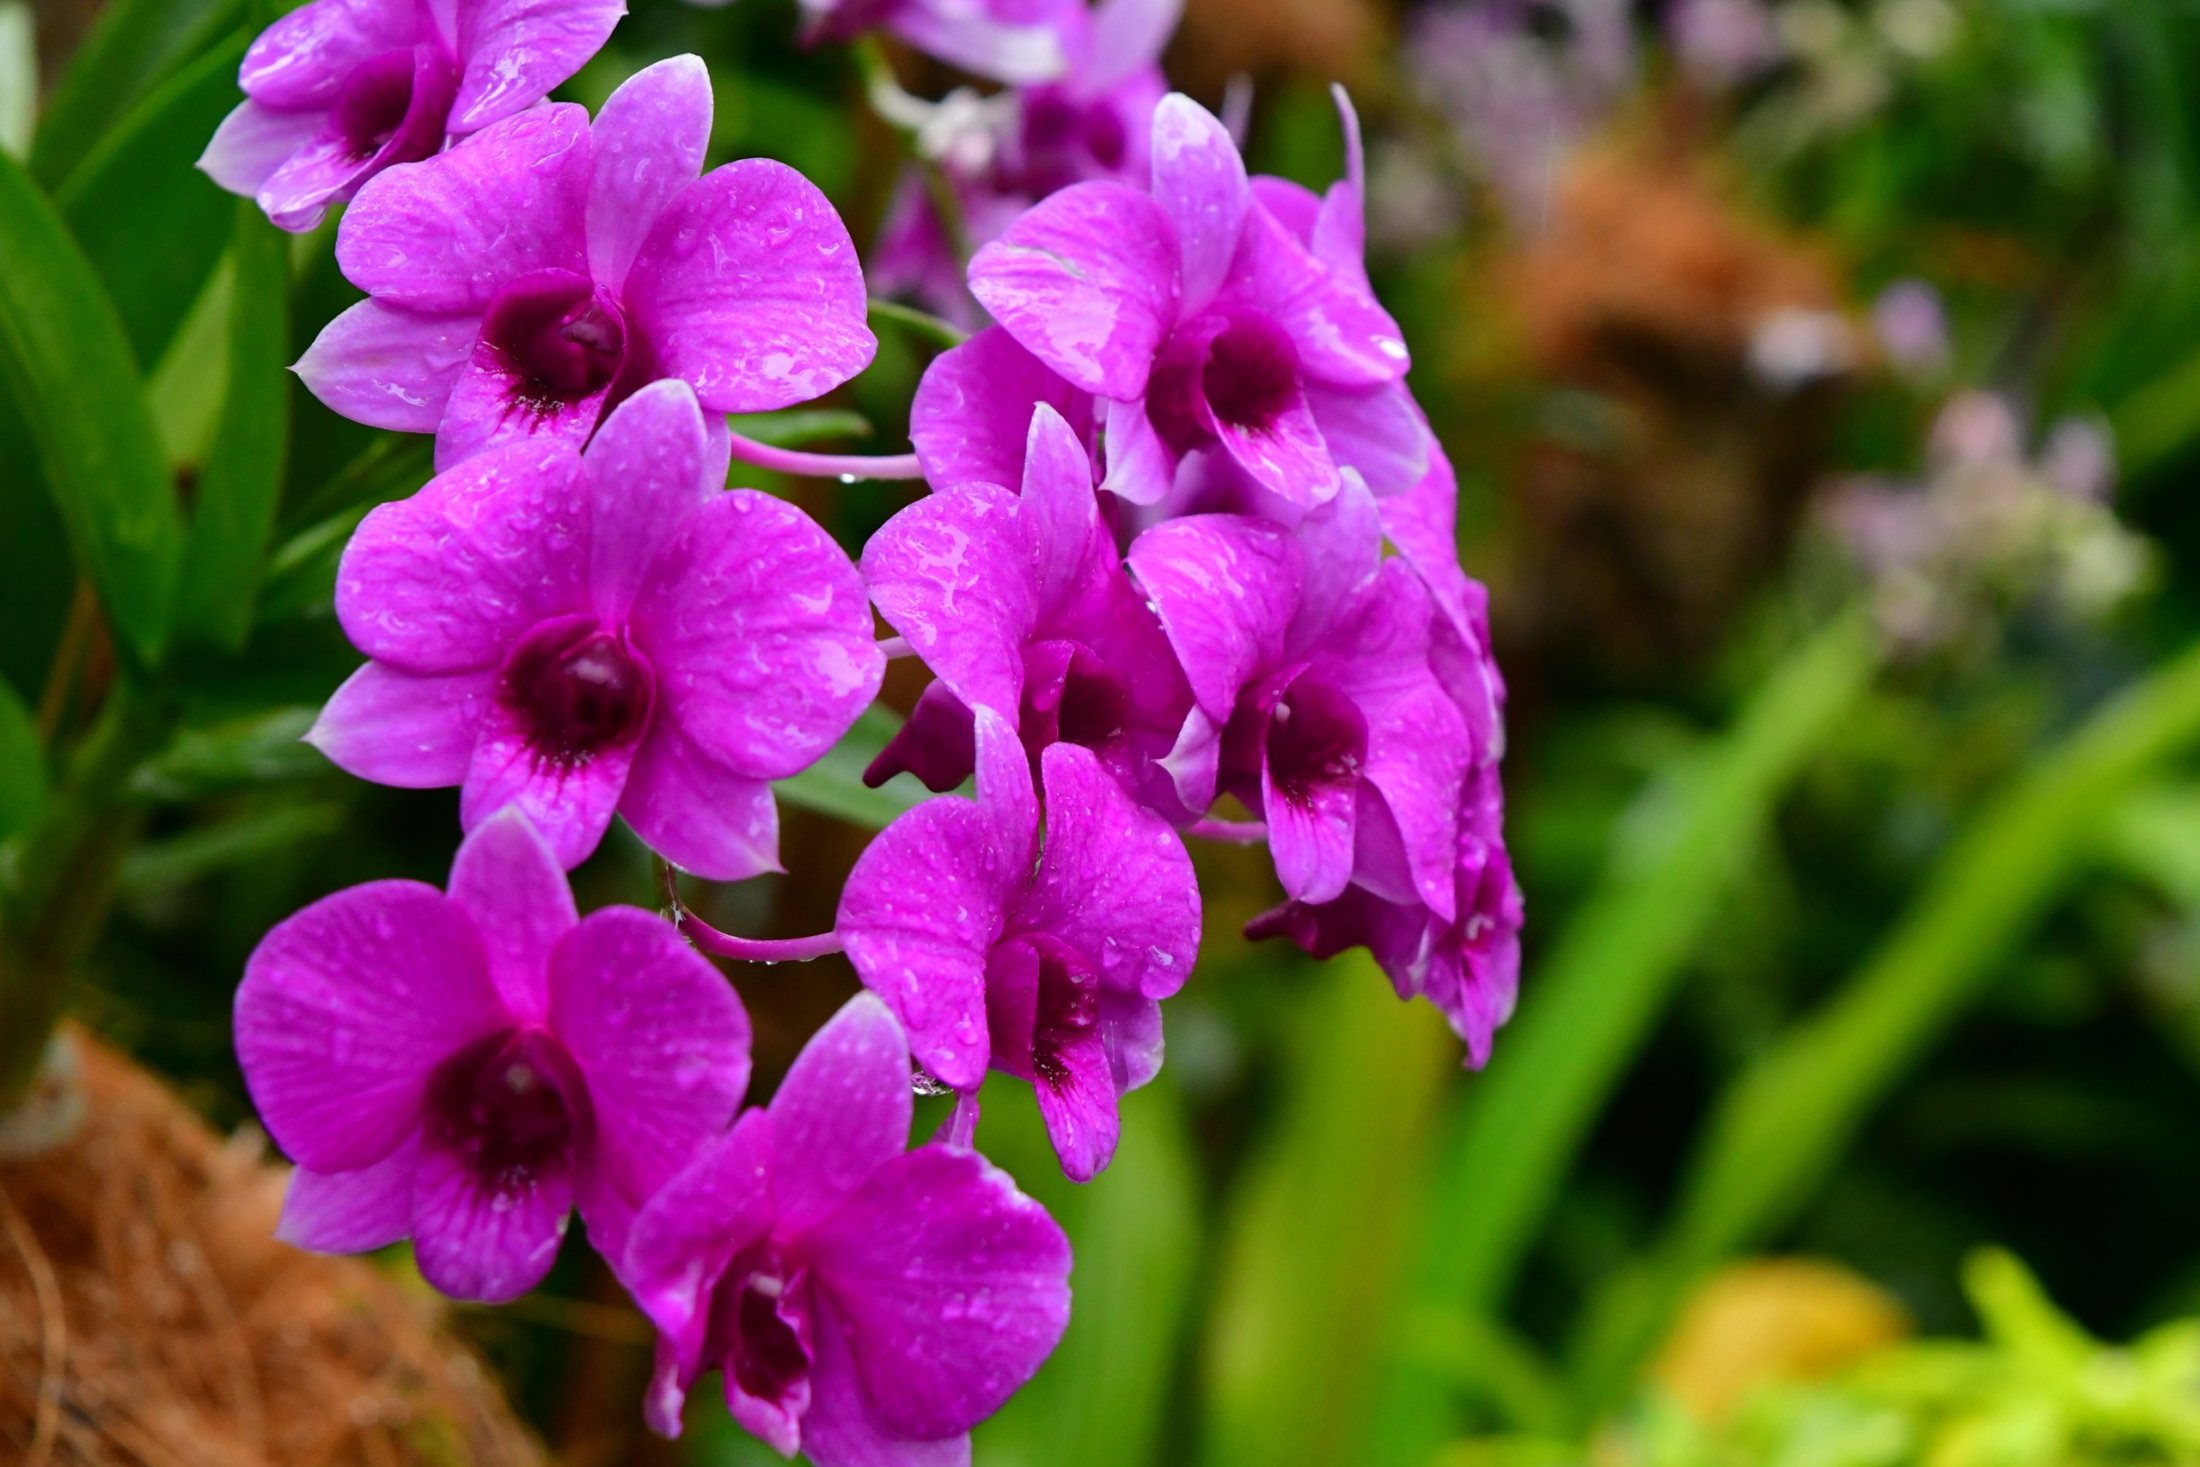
1187, 553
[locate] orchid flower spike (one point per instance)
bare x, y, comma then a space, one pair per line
1046, 959
587, 633
866, 1304
463, 1068
338, 90
523, 285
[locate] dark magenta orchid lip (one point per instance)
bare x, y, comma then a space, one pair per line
510, 1105
1316, 739
1250, 374
577, 690
757, 1327
558, 338
394, 107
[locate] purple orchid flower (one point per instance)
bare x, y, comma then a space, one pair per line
524, 284
1317, 701
338, 90
866, 1304
466, 1068
1467, 965
1464, 957
584, 633
1048, 963
1202, 319
1012, 41
1005, 154
1022, 605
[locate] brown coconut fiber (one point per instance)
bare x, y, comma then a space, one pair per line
148, 1316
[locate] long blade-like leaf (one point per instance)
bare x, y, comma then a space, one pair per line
135, 44
63, 354
1100, 1400
152, 225
1783, 1125
1587, 1008
243, 473
1314, 1245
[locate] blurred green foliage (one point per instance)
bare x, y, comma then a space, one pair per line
2037, 1391
1838, 945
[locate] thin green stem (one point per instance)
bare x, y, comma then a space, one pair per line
58, 894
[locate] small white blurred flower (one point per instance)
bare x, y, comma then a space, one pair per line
1723, 43
1912, 327
1793, 347
2079, 458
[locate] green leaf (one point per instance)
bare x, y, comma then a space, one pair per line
391, 466
2155, 837
18, 77
2020, 1317
1783, 1125
207, 850
802, 428
1588, 1007
62, 352
238, 754
1314, 1243
135, 44
22, 766
1100, 1399
834, 784
301, 574
140, 186
243, 473
921, 324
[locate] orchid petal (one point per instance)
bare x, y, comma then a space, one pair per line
345, 1010
748, 288
649, 137
518, 51
389, 368
447, 234
409, 730
1086, 280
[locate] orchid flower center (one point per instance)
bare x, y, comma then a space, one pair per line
500, 1106
1050, 119
1085, 702
560, 339
1069, 1007
1251, 375
394, 106
1105, 136
752, 1328
1317, 739
576, 690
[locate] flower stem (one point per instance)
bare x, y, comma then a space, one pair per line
56, 898
1241, 832
847, 467
741, 949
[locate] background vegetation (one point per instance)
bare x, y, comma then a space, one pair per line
1827, 393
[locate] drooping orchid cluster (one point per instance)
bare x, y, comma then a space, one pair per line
1186, 569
